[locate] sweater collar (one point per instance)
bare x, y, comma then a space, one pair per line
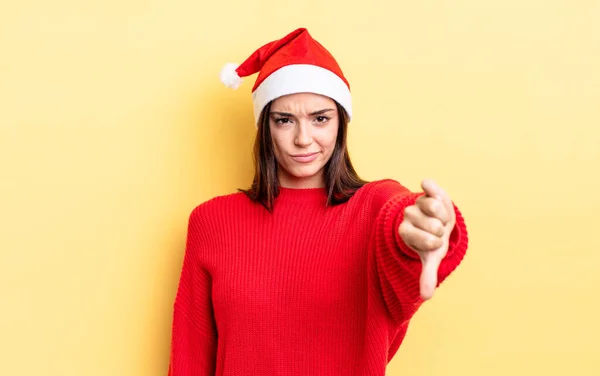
318, 195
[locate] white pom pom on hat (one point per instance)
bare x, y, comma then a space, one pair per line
229, 76
293, 64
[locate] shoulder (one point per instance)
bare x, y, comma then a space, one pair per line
217, 206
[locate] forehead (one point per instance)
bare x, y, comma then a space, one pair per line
301, 102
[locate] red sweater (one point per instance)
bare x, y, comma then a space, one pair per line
305, 290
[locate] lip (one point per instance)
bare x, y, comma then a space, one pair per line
305, 158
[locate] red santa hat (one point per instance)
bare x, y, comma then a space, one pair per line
295, 63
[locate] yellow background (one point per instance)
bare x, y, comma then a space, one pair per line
114, 125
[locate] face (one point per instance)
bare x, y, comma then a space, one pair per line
304, 129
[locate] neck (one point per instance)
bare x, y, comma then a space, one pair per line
294, 182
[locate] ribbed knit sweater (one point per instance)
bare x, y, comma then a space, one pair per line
304, 290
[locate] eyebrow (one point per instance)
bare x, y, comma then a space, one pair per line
320, 112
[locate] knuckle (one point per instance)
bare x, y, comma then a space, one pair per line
429, 224
432, 243
409, 211
403, 229
428, 243
434, 207
435, 227
439, 227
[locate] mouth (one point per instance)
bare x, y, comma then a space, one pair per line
302, 155
304, 158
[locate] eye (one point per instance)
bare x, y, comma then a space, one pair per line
322, 119
282, 121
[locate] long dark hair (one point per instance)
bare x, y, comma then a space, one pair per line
341, 180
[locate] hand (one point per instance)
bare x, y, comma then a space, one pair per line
426, 229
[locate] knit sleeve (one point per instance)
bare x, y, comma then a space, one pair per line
398, 267
194, 335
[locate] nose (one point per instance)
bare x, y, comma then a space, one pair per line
303, 136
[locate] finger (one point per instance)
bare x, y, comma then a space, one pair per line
430, 188
418, 239
448, 205
423, 221
429, 276
433, 207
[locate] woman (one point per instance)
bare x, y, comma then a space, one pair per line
310, 271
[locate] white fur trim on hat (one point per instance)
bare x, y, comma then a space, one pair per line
301, 78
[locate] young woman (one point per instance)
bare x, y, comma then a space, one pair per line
310, 271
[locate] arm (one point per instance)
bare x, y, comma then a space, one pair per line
398, 267
194, 335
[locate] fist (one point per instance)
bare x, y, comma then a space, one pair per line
426, 229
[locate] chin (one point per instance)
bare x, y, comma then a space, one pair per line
303, 172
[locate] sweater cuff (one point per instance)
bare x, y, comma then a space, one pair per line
457, 247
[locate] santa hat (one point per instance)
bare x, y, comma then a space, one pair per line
295, 63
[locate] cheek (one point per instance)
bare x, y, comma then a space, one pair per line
328, 141
280, 145
276, 143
